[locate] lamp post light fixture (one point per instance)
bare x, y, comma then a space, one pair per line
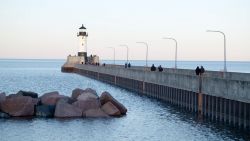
225, 57
114, 54
127, 50
175, 66
146, 51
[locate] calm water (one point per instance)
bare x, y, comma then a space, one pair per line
147, 119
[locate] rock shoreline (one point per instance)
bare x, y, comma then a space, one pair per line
82, 104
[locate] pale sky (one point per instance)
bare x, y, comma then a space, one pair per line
47, 29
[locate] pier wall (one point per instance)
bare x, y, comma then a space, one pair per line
215, 96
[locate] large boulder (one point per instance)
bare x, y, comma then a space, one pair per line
13, 95
106, 97
51, 98
85, 105
27, 93
95, 113
76, 92
19, 106
65, 110
111, 109
89, 90
87, 96
68, 99
2, 98
45, 110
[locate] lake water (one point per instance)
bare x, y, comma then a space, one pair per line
146, 119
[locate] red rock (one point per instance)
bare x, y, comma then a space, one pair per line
19, 106
106, 97
65, 110
87, 104
95, 113
111, 109
76, 92
51, 98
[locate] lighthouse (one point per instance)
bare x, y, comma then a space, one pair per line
81, 57
82, 36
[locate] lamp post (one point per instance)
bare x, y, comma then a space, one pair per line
225, 59
127, 50
146, 51
175, 50
114, 53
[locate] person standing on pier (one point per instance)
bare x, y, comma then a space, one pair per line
153, 68
160, 68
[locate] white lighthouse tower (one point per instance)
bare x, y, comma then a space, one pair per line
82, 35
81, 57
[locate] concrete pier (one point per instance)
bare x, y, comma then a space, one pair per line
221, 97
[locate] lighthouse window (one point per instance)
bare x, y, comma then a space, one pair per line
82, 37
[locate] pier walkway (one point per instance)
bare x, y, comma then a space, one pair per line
218, 96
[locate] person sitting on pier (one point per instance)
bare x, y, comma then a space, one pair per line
104, 64
153, 68
126, 65
160, 68
129, 65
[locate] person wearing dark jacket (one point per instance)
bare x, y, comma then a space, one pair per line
160, 68
197, 70
129, 65
202, 70
153, 68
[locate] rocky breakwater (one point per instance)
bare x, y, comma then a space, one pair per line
82, 103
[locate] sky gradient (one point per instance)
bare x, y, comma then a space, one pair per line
45, 29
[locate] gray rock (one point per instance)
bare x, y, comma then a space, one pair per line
87, 96
45, 110
51, 98
89, 90
95, 113
87, 104
4, 115
2, 98
68, 100
107, 97
13, 95
111, 109
65, 110
76, 92
27, 93
19, 106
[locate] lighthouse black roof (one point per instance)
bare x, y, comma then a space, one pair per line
82, 27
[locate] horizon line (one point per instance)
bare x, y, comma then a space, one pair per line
129, 60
